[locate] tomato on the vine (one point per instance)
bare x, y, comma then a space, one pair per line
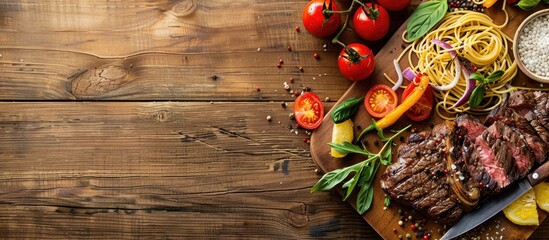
356, 62
317, 22
371, 22
394, 5
423, 107
380, 100
308, 110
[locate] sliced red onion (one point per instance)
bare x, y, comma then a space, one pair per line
454, 81
471, 84
409, 74
446, 46
399, 73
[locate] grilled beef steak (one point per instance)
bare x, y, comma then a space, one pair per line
444, 172
421, 162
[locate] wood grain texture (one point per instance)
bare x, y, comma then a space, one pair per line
159, 170
385, 220
155, 50
111, 125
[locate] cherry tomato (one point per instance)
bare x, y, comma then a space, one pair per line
424, 106
308, 110
356, 62
380, 100
371, 22
394, 5
315, 21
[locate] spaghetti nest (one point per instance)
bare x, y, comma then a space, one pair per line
474, 37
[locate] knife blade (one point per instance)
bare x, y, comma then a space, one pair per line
474, 218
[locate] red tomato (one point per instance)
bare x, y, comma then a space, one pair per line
380, 100
308, 110
356, 62
315, 21
424, 106
371, 22
394, 5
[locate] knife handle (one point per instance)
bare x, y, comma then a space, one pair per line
539, 175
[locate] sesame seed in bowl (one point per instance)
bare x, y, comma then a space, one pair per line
531, 46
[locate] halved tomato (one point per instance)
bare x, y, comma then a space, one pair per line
308, 110
423, 107
380, 100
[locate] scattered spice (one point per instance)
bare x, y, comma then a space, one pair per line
316, 56
289, 48
297, 28
291, 79
214, 77
269, 118
291, 116
258, 89
300, 69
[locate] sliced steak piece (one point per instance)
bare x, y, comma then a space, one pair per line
542, 102
421, 162
521, 100
497, 160
469, 128
537, 121
521, 152
511, 118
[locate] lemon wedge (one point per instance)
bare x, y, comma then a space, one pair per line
523, 211
542, 195
342, 132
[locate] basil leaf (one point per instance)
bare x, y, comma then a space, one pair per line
347, 147
476, 96
494, 77
528, 4
477, 76
427, 15
346, 109
329, 180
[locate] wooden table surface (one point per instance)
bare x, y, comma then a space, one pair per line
148, 119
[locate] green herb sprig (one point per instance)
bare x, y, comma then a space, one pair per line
426, 16
480, 90
346, 109
364, 172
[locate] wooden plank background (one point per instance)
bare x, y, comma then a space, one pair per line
112, 124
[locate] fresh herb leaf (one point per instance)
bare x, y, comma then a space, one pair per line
476, 96
352, 183
329, 180
346, 109
387, 201
387, 156
347, 147
494, 77
364, 198
528, 4
427, 15
477, 76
